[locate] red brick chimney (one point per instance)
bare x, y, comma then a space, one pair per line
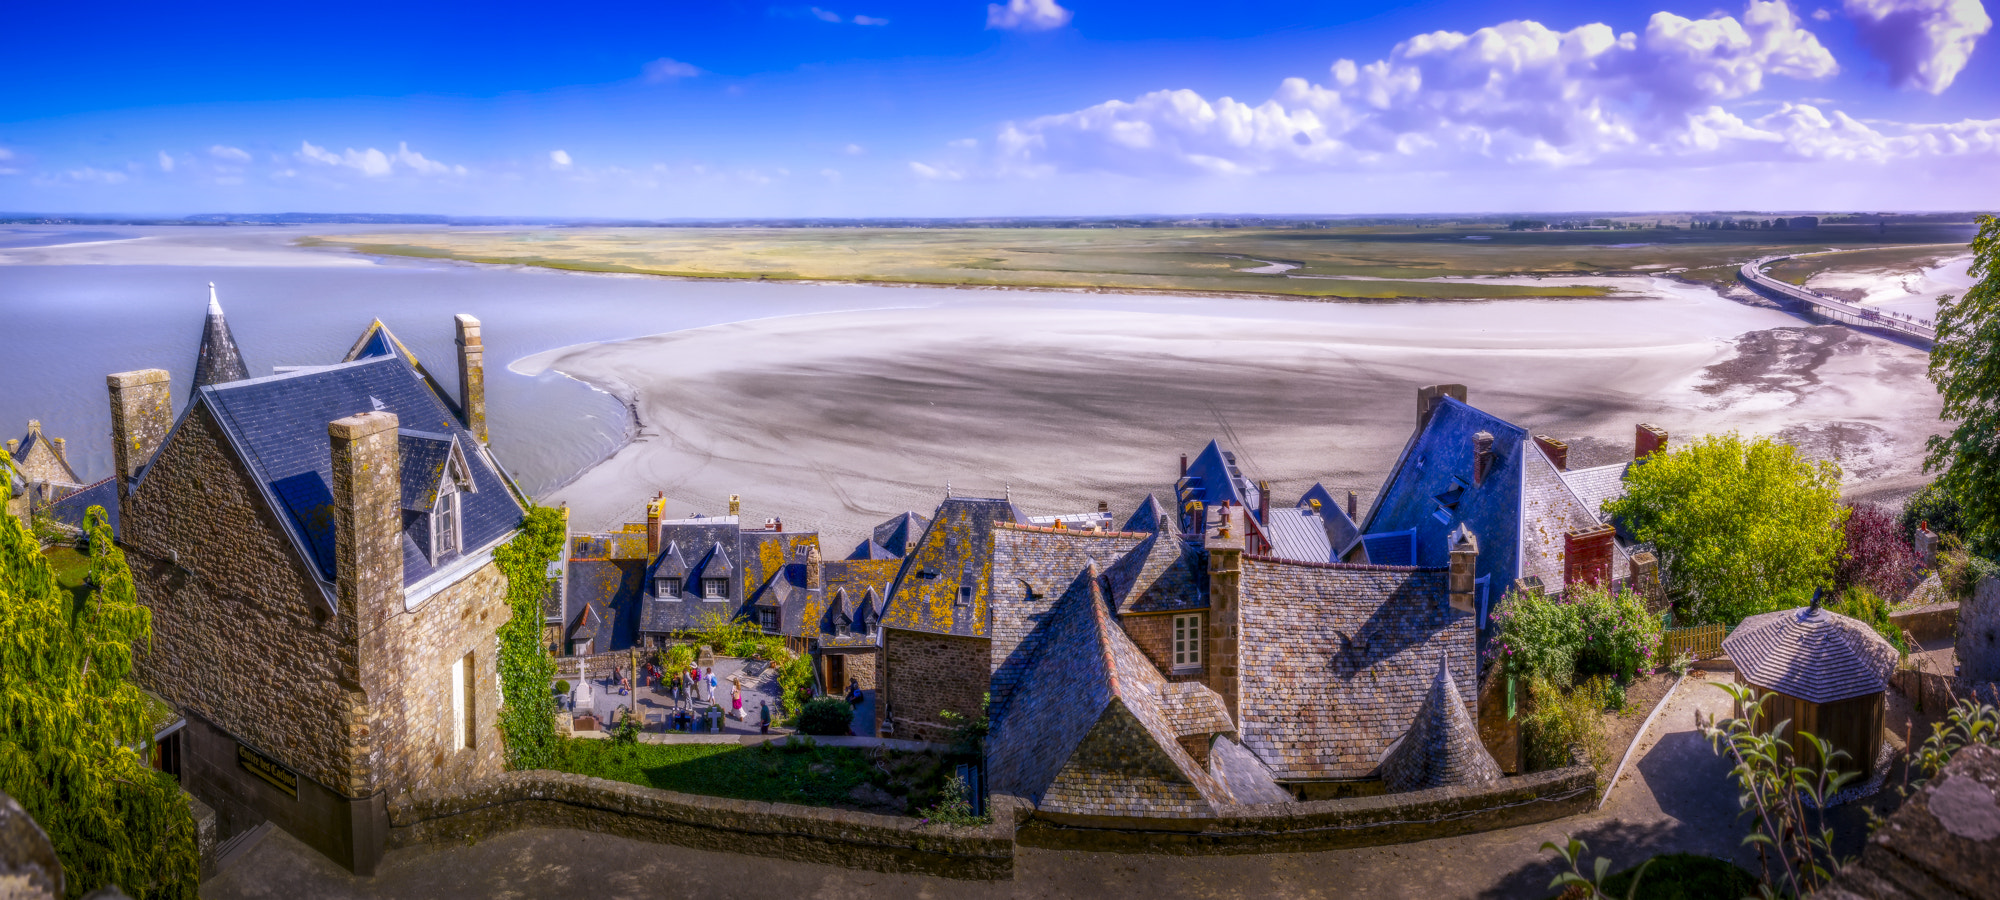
1354, 506
1555, 450
1482, 455
1263, 502
1183, 465
1649, 439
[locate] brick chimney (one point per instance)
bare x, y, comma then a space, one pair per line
1464, 585
1428, 397
472, 376
1183, 465
1263, 502
1555, 450
1482, 455
654, 513
1225, 611
142, 411
1354, 506
367, 517
1648, 440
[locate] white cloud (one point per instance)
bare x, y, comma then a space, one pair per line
99, 176
665, 69
855, 150
963, 143
1026, 15
935, 173
1512, 94
5, 155
1925, 42
166, 162
375, 163
825, 15
869, 20
559, 159
228, 154
1822, 14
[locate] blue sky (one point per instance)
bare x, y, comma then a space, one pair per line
950, 108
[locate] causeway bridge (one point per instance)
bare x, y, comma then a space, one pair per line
1921, 331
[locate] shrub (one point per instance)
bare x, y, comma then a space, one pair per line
954, 807
1587, 631
719, 632
1876, 555
1562, 720
826, 716
562, 687
795, 678
626, 731
1537, 637
1864, 605
1619, 635
1777, 790
677, 659
1960, 571
1933, 506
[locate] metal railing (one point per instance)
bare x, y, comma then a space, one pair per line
1752, 272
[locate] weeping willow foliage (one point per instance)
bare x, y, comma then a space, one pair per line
72, 723
527, 710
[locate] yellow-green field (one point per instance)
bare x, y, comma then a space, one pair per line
1878, 259
1330, 263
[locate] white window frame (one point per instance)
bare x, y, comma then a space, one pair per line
1185, 648
447, 536
461, 703
661, 584
709, 591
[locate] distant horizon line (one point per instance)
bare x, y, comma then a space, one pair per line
311, 218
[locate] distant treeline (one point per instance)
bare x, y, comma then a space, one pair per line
1579, 221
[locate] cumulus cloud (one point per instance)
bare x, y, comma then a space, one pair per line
935, 173
375, 163
869, 20
855, 150
1026, 15
664, 69
228, 154
1925, 42
7, 156
166, 162
1515, 93
560, 159
825, 15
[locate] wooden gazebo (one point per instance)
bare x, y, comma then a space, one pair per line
1823, 671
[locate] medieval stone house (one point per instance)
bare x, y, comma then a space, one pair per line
316, 547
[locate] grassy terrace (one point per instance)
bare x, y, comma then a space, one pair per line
871, 780
1329, 263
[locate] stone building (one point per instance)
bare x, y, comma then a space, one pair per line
42, 478
316, 547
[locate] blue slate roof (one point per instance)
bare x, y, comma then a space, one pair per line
605, 606
762, 567
378, 341
424, 456
1431, 491
1213, 477
70, 510
278, 425
1150, 516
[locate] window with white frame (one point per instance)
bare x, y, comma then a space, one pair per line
1187, 642
667, 588
715, 589
462, 694
444, 522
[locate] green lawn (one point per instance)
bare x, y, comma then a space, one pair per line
816, 776
71, 567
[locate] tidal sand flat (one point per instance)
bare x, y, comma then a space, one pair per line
837, 421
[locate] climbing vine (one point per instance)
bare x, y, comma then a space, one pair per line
73, 724
527, 710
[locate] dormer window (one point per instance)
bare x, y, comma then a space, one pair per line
715, 589
444, 522
667, 588
767, 619
965, 596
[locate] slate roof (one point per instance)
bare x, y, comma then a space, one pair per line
1150, 516
1397, 548
1162, 574
1442, 746
892, 539
378, 341
863, 583
71, 508
217, 360
1811, 653
1341, 532
1213, 477
1299, 534
956, 550
1336, 659
1190, 708
1086, 733
1596, 485
1419, 493
425, 455
37, 459
763, 567
1034, 569
277, 425
1550, 510
610, 591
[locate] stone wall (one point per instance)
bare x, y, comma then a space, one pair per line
927, 673
1979, 632
1928, 622
415, 718
1328, 824
860, 666
1500, 734
1942, 843
242, 634
541, 799
1153, 634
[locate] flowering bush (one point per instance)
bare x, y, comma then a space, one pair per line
1586, 631
1876, 556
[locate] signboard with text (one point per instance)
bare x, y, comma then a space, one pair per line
268, 769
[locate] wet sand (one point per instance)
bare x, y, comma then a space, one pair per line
837, 421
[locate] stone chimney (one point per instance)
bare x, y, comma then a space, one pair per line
735, 504
1482, 455
13, 446
34, 427
472, 376
654, 513
367, 517
1645, 580
1428, 397
1648, 440
1354, 506
1464, 567
1183, 465
1225, 610
815, 568
142, 412
1555, 450
1263, 501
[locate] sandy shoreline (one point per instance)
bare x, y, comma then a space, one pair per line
835, 421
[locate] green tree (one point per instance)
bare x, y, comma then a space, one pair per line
1965, 366
1741, 526
73, 724
527, 710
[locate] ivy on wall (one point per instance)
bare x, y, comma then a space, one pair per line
73, 724
527, 705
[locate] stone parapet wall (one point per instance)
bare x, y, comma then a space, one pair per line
925, 674
1328, 824
1928, 622
541, 799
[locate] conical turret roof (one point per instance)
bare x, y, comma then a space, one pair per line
1442, 746
218, 361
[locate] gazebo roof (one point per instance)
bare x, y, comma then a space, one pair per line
1812, 654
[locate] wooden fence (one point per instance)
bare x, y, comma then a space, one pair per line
1699, 641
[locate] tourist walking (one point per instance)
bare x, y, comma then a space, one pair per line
694, 682
711, 684
764, 717
736, 701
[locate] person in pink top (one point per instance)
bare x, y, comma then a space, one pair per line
736, 702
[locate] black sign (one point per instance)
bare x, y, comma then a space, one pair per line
268, 769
